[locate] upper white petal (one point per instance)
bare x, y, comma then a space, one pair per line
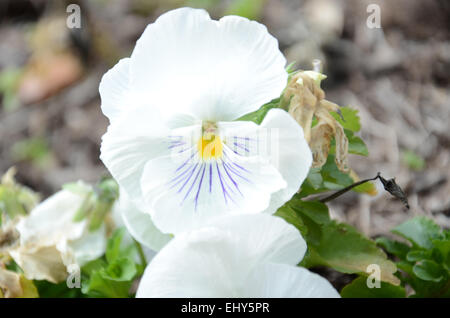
214, 70
115, 90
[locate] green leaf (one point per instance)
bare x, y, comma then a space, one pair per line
292, 217
114, 275
418, 255
258, 115
443, 247
355, 144
343, 248
393, 247
358, 288
315, 210
339, 246
114, 245
429, 271
351, 118
60, 290
122, 269
420, 231
101, 285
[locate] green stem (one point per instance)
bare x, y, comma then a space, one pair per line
141, 253
346, 189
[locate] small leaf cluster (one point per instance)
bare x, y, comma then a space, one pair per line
113, 274
424, 260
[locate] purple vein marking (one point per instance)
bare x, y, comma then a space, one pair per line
241, 146
221, 183
193, 183
235, 164
235, 172
231, 178
185, 162
244, 138
188, 178
225, 187
177, 179
210, 177
200, 186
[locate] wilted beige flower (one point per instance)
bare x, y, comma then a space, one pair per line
306, 101
51, 240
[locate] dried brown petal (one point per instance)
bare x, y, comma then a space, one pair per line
10, 283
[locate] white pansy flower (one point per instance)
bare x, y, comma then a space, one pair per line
50, 240
235, 256
172, 144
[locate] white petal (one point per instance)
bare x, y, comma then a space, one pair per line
267, 238
203, 263
115, 90
51, 221
215, 261
182, 192
140, 225
215, 70
292, 157
129, 143
90, 246
271, 280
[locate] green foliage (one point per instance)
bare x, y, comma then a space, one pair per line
334, 244
97, 203
33, 149
425, 262
413, 161
15, 199
358, 288
250, 9
9, 80
258, 115
50, 290
113, 274
349, 119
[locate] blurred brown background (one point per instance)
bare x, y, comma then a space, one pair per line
396, 76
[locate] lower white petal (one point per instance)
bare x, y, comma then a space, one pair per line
216, 260
185, 192
271, 280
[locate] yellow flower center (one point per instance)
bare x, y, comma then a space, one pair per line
210, 147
